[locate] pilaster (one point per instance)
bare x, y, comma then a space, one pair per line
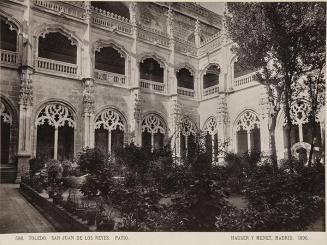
174, 126
88, 112
136, 117
264, 122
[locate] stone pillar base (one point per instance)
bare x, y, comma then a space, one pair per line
23, 166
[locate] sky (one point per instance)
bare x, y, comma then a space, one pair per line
217, 7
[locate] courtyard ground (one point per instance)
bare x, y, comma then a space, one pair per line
17, 215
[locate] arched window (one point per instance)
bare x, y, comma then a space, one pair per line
211, 135
55, 132
8, 36
150, 69
153, 132
185, 78
56, 46
248, 132
118, 8
5, 123
109, 131
187, 137
211, 77
109, 59
301, 130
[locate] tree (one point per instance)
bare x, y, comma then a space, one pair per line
285, 41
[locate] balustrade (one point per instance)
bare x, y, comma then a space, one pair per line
211, 91
245, 81
152, 86
185, 47
74, 9
55, 66
211, 43
9, 58
111, 78
111, 21
185, 91
153, 35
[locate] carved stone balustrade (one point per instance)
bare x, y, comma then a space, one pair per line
110, 78
185, 92
211, 44
56, 67
152, 35
245, 81
110, 21
9, 58
211, 91
74, 9
152, 86
185, 47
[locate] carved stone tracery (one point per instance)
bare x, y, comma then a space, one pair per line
56, 115
211, 126
110, 120
187, 127
153, 124
4, 114
247, 121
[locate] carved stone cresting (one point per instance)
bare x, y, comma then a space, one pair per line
186, 66
56, 115
153, 124
4, 114
103, 43
154, 56
211, 126
247, 121
26, 89
110, 120
44, 29
187, 127
88, 96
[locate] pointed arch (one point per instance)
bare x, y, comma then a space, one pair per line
161, 61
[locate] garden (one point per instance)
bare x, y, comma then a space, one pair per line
142, 190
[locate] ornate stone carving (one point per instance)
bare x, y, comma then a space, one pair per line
264, 105
187, 127
153, 124
26, 89
110, 120
4, 114
300, 112
132, 13
247, 121
88, 96
211, 126
222, 111
186, 66
56, 115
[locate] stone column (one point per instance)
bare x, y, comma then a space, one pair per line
135, 117
88, 113
25, 98
264, 123
223, 121
197, 33
25, 112
174, 127
88, 83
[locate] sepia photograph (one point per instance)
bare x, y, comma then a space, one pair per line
162, 117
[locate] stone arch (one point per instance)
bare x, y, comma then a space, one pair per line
210, 131
186, 66
15, 25
246, 130
98, 45
69, 113
210, 125
206, 67
154, 124
110, 121
162, 62
9, 116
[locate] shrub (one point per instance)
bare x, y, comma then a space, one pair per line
91, 160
